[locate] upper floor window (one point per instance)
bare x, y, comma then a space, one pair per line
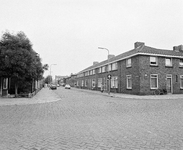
128, 62
109, 67
181, 81
99, 70
154, 81
153, 61
114, 66
93, 71
168, 61
103, 69
181, 63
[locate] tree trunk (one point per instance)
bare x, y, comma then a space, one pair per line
16, 90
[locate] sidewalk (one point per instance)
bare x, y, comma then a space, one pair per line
129, 96
43, 96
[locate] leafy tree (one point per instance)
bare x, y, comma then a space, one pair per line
18, 60
48, 79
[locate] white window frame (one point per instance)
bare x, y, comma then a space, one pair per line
5, 83
82, 83
114, 66
128, 86
114, 82
103, 68
153, 63
99, 70
109, 67
181, 81
93, 82
93, 71
86, 83
181, 63
170, 62
128, 62
151, 80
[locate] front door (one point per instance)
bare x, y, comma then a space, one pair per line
169, 83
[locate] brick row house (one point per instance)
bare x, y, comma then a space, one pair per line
139, 71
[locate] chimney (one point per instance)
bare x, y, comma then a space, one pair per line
137, 44
110, 56
95, 62
178, 48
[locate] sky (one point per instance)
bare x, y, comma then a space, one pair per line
67, 33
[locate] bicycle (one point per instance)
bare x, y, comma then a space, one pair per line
160, 92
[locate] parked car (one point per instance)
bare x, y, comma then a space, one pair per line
53, 87
67, 86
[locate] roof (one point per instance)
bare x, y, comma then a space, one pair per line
141, 50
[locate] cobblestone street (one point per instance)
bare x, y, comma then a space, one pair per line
88, 121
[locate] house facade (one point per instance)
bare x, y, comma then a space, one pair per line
139, 71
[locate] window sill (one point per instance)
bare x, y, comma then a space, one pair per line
129, 88
153, 65
169, 66
128, 66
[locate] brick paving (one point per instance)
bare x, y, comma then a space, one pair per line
79, 120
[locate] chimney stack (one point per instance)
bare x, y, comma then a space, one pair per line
110, 56
178, 48
137, 44
95, 62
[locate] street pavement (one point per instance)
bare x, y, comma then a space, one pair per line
80, 119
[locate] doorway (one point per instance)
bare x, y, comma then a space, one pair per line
169, 83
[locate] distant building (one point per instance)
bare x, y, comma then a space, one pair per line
140, 71
71, 80
60, 79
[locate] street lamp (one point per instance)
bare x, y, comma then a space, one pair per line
50, 70
108, 67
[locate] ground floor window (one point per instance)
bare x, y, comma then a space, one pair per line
114, 82
86, 83
93, 83
129, 82
82, 83
181, 81
154, 81
5, 83
99, 82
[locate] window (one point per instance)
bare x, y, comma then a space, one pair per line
99, 82
86, 82
93, 83
93, 71
114, 82
109, 67
82, 83
181, 63
5, 83
154, 81
153, 61
99, 70
114, 66
103, 69
128, 62
168, 62
181, 81
129, 82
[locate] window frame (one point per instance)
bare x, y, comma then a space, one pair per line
128, 86
127, 62
156, 82
180, 63
156, 61
181, 79
170, 62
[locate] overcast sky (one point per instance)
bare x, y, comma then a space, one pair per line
69, 32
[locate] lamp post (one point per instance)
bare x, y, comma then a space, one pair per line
108, 67
50, 70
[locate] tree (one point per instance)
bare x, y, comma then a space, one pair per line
18, 60
48, 79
